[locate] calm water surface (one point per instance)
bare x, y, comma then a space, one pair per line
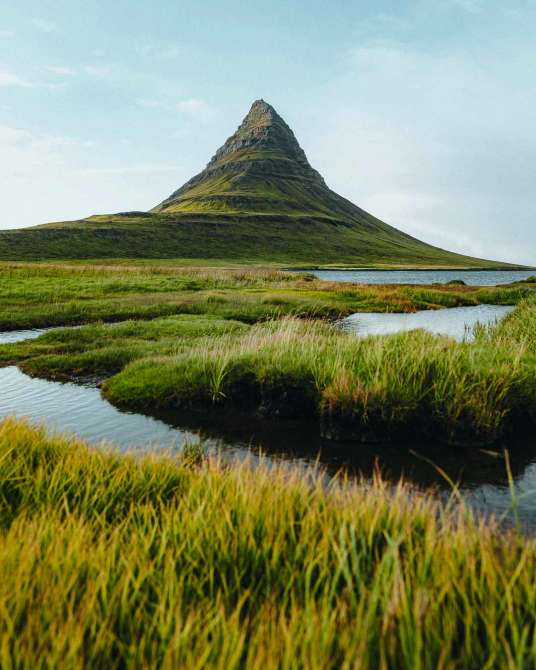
475, 277
457, 322
21, 335
80, 410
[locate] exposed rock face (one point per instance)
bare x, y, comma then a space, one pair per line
264, 130
263, 146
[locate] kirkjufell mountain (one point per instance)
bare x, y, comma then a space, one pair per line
259, 169
257, 200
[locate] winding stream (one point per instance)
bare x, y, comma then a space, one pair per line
78, 409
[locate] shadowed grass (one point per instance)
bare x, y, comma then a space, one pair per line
370, 388
116, 562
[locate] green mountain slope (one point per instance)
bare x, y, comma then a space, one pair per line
258, 199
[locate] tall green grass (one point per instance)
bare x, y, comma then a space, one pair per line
518, 329
109, 561
103, 349
359, 388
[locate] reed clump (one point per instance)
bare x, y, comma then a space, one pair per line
358, 388
111, 561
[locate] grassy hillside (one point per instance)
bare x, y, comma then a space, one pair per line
251, 238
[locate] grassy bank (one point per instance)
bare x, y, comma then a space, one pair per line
34, 295
100, 350
110, 561
407, 385
373, 388
206, 338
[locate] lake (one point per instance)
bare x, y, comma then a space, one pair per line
472, 277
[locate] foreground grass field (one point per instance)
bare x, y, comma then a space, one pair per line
115, 562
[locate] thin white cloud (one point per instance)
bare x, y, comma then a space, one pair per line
60, 70
11, 79
158, 51
11, 137
6, 34
101, 72
8, 78
192, 108
197, 109
407, 24
45, 25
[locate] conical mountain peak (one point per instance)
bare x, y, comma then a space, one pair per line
261, 180
261, 111
263, 147
263, 128
260, 119
257, 199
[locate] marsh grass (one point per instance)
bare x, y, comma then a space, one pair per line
518, 329
112, 561
374, 388
360, 388
103, 349
38, 295
245, 338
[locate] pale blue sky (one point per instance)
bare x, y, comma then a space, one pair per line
421, 112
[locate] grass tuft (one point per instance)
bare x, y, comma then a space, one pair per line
374, 388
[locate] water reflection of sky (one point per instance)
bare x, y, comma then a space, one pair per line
473, 277
457, 322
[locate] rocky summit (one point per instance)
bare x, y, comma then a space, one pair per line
259, 168
257, 200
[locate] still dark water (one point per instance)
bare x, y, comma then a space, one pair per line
80, 410
471, 277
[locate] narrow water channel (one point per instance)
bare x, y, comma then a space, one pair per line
80, 410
